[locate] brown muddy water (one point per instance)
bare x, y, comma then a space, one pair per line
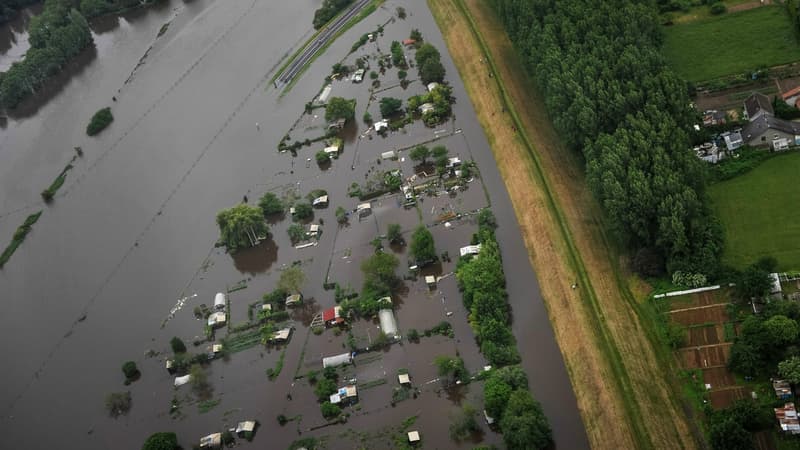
132, 232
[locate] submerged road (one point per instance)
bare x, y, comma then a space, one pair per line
321, 41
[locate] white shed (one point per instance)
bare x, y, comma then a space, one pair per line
388, 322
293, 299
211, 441
364, 209
320, 201
433, 85
217, 318
470, 250
426, 108
381, 125
219, 301
391, 154
338, 360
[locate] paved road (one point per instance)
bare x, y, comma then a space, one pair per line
322, 40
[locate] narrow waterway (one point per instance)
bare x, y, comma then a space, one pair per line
129, 232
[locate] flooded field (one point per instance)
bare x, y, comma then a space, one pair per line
119, 261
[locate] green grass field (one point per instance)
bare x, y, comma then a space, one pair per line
760, 212
731, 43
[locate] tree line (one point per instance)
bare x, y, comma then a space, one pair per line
10, 8
56, 35
611, 95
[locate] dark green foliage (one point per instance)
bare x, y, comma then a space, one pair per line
415, 35
731, 427
379, 275
420, 154
422, 247
463, 424
329, 410
452, 369
718, 8
19, 236
429, 64
303, 211
100, 120
401, 12
341, 215
766, 339
241, 226
524, 424
340, 108
56, 35
390, 106
10, 8
367, 117
324, 389
297, 233
754, 282
161, 441
412, 335
394, 233
749, 158
227, 438
398, 56
270, 204
628, 113
282, 420
728, 435
118, 403
322, 157
130, 370
330, 373
783, 110
177, 345
329, 10
789, 370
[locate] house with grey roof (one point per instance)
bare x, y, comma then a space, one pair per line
768, 130
756, 106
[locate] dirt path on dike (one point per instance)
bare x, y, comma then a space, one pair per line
626, 395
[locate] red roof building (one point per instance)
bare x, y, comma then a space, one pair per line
409, 41
332, 316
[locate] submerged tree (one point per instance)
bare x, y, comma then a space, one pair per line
241, 226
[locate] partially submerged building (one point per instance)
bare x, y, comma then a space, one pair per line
246, 428
782, 389
294, 300
345, 395
338, 360
216, 319
320, 201
404, 379
787, 418
388, 322
333, 316
211, 441
281, 335
470, 250
219, 301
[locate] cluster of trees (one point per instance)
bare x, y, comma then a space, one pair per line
429, 64
441, 98
390, 106
767, 339
508, 401
611, 95
270, 204
56, 35
422, 249
783, 110
10, 8
329, 10
340, 108
380, 280
483, 285
732, 428
100, 120
241, 226
440, 156
161, 441
324, 388
93, 8
398, 56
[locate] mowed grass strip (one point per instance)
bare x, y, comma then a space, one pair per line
760, 213
731, 43
608, 350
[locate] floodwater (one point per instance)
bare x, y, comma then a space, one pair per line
14, 37
132, 232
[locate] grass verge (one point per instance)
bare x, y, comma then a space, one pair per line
731, 43
612, 353
19, 236
759, 213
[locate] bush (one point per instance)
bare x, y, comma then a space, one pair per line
412, 335
324, 389
161, 441
394, 233
329, 410
282, 420
340, 108
177, 345
341, 215
118, 403
323, 157
390, 106
297, 233
367, 117
328, 10
422, 247
303, 211
464, 423
718, 8
402, 74
100, 120
270, 204
130, 370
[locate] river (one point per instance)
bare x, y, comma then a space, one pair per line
129, 233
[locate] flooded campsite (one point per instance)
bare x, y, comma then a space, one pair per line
128, 255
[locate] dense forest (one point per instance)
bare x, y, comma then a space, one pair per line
56, 35
612, 97
10, 8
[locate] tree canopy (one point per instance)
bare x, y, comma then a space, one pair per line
390, 106
422, 247
340, 108
292, 279
241, 226
270, 204
420, 154
524, 424
161, 441
790, 370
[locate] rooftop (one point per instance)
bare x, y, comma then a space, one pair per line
756, 103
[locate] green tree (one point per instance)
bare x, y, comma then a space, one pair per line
322, 157
390, 106
303, 211
781, 330
394, 233
524, 424
789, 369
341, 215
496, 393
440, 157
118, 403
329, 410
463, 423
379, 274
199, 380
297, 233
431, 71
727, 434
420, 154
130, 370
415, 35
292, 279
270, 204
340, 108
754, 282
451, 367
426, 52
422, 247
324, 389
100, 120
241, 226
177, 345
161, 441
398, 56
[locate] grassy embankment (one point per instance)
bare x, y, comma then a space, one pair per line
19, 236
759, 213
620, 373
731, 43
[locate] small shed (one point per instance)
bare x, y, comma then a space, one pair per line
332, 316
388, 322
391, 154
248, 426
409, 41
180, 381
323, 96
266, 307
489, 419
782, 389
787, 418
216, 348
282, 335
453, 162
211, 441
364, 209
426, 108
413, 436
431, 86
294, 299
470, 250
338, 360
430, 280
381, 125
219, 301
337, 125
170, 365
404, 379
216, 319
332, 150
313, 229
320, 201
358, 76
346, 395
